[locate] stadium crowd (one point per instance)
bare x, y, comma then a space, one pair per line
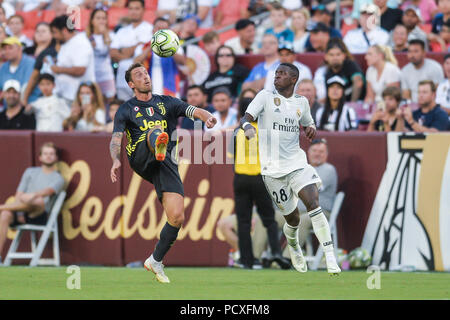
62, 62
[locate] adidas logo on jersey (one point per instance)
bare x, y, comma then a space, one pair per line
277, 110
314, 176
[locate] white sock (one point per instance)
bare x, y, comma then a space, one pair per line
291, 234
321, 229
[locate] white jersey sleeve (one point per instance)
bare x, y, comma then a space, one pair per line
306, 120
256, 107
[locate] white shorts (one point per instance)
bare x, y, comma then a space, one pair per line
284, 190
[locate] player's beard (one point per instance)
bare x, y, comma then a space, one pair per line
145, 91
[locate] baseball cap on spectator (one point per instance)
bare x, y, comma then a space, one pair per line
192, 16
321, 8
11, 84
222, 90
415, 9
243, 23
318, 27
286, 46
369, 8
11, 40
336, 79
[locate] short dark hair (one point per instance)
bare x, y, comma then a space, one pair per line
16, 16
61, 23
196, 86
131, 68
46, 76
116, 101
141, 1
243, 23
293, 69
417, 42
394, 92
161, 19
210, 36
429, 83
243, 105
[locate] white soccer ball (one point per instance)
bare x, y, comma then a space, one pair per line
165, 43
359, 258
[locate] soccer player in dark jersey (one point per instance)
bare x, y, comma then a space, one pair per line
148, 121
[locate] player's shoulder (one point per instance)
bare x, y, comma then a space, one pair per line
300, 99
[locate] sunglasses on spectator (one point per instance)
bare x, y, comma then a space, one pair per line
225, 55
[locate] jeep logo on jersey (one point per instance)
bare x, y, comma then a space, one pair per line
150, 111
277, 101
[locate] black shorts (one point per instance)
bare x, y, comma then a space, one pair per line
40, 220
162, 174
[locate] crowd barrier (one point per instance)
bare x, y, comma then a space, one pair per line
113, 224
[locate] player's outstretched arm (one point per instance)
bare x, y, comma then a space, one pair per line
205, 116
245, 124
114, 149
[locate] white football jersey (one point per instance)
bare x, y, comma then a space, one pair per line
279, 121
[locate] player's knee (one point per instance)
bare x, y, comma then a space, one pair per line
293, 219
222, 224
5, 216
177, 219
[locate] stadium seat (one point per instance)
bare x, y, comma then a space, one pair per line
36, 251
149, 16
31, 18
314, 260
114, 15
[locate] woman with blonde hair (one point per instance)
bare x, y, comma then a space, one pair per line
88, 109
382, 72
299, 22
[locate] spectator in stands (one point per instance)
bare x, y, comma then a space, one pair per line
442, 16
399, 39
189, 27
200, 8
389, 17
167, 9
419, 68
163, 71
228, 74
269, 50
244, 43
13, 117
100, 37
429, 117
382, 72
49, 110
15, 26
8, 9
18, 66
340, 63
443, 90
307, 89
196, 96
3, 36
124, 43
211, 42
412, 20
319, 35
88, 110
388, 116
229, 11
317, 157
225, 115
75, 59
29, 5
441, 43
3, 19
368, 34
35, 194
42, 39
428, 8
320, 14
279, 29
336, 115
299, 23
287, 55
113, 107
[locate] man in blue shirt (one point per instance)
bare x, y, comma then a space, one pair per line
429, 117
18, 66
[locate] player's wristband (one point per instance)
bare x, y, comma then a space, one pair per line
244, 124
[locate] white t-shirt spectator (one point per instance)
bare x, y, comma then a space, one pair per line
410, 77
127, 37
29, 5
9, 9
230, 120
235, 44
100, 117
443, 94
319, 82
391, 73
291, 4
191, 6
102, 59
304, 73
77, 52
50, 113
357, 41
167, 5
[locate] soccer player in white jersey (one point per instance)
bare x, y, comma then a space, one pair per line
284, 167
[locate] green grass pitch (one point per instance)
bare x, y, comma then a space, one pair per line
217, 283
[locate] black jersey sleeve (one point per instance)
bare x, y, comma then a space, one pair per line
120, 119
179, 108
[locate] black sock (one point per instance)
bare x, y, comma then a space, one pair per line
153, 137
166, 239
